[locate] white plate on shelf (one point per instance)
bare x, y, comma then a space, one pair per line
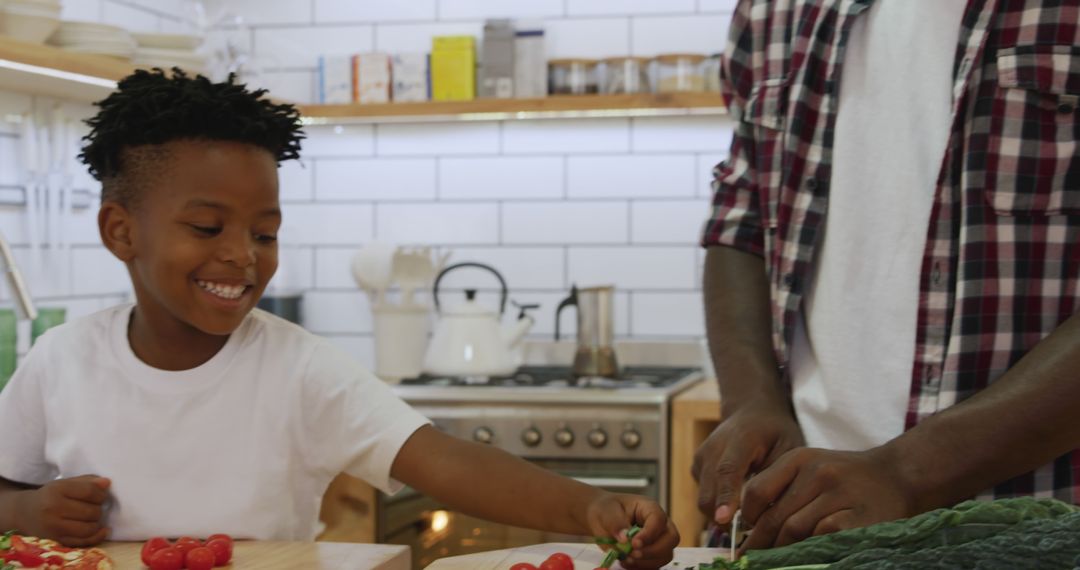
168, 41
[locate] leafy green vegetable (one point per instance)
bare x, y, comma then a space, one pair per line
1008, 533
619, 550
5, 541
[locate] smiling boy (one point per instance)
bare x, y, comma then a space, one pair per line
191, 412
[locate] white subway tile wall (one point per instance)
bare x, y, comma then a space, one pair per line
694, 33
85, 277
549, 203
481, 9
501, 177
630, 176
376, 179
337, 11
624, 7
416, 38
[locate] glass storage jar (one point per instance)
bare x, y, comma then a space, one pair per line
679, 72
572, 76
626, 75
711, 70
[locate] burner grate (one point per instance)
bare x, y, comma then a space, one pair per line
561, 377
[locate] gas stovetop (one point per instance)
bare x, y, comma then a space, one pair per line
561, 377
554, 383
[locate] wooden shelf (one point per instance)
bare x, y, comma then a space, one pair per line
555, 107
47, 70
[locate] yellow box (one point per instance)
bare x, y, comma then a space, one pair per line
453, 68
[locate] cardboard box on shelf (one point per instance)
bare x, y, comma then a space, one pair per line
453, 68
530, 61
335, 80
497, 60
410, 81
371, 78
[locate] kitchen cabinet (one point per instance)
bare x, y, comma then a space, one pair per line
46, 70
694, 415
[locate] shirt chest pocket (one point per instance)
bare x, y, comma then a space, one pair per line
1032, 164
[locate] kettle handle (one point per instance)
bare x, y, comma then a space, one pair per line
502, 282
570, 300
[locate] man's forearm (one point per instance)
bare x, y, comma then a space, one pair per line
738, 320
1022, 421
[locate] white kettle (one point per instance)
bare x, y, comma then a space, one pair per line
469, 339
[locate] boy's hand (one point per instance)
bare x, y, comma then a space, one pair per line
612, 515
66, 510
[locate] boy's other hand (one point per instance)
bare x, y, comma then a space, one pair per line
654, 546
66, 510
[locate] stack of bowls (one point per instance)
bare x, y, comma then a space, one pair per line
92, 38
29, 20
169, 50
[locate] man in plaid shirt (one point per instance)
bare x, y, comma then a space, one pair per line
892, 279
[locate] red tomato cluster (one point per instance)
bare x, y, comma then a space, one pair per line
191, 553
557, 561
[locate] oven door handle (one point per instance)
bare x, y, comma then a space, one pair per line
615, 482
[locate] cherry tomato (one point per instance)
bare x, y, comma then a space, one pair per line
185, 544
222, 548
523, 566
168, 558
558, 561
153, 545
199, 558
221, 536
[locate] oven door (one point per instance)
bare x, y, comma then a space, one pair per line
433, 531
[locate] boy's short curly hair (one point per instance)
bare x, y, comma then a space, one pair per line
151, 108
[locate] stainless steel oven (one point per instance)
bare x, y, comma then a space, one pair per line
608, 433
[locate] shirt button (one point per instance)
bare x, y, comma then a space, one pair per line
935, 275
1066, 108
812, 183
789, 281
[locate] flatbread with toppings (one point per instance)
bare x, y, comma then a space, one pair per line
18, 552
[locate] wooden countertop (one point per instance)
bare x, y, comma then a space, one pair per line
694, 414
586, 557
289, 556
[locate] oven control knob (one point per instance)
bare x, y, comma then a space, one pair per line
483, 435
531, 437
597, 438
564, 437
631, 438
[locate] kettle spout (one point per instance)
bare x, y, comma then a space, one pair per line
512, 333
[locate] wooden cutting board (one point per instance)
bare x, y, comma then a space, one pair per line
586, 557
259, 555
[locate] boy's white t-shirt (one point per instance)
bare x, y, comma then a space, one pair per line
245, 444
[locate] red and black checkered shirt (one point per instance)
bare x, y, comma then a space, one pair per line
1001, 263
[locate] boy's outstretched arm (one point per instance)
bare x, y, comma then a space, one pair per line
489, 483
65, 510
